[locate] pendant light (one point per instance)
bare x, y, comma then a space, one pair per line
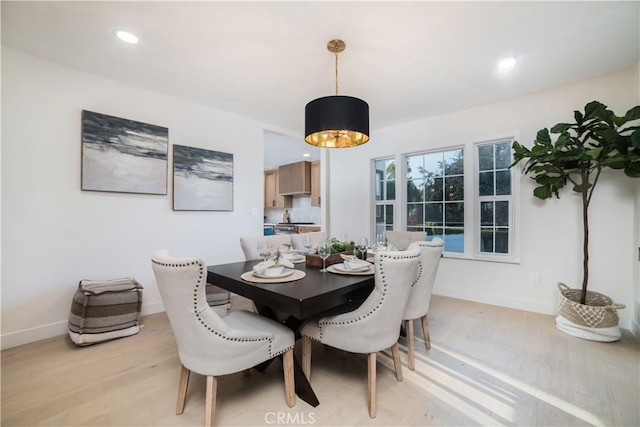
336, 121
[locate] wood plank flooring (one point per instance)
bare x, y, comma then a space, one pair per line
487, 366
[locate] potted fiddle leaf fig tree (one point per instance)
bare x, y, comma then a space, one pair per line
575, 155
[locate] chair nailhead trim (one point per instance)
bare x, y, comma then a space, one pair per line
385, 284
200, 282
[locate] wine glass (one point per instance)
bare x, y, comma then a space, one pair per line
362, 245
264, 250
324, 250
343, 237
380, 240
306, 242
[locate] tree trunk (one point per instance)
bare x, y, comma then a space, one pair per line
585, 235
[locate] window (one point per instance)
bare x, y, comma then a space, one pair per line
385, 188
495, 199
463, 194
435, 196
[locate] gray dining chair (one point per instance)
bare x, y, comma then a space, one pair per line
209, 344
420, 297
402, 239
373, 326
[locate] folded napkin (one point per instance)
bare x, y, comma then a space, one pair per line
354, 263
293, 256
261, 267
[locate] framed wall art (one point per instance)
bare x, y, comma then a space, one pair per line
123, 156
202, 179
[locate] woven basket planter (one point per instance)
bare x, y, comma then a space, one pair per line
597, 320
598, 312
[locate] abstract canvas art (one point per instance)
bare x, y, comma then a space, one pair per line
202, 179
123, 155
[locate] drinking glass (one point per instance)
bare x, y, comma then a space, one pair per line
380, 240
264, 250
343, 237
362, 245
324, 250
306, 242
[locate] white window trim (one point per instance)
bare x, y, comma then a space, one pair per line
514, 212
472, 214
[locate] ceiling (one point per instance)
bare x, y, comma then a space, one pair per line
265, 60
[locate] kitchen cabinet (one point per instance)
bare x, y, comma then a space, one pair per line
272, 197
308, 228
315, 183
295, 178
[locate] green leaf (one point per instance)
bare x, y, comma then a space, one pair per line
594, 153
543, 192
561, 127
539, 150
635, 139
577, 115
616, 162
632, 169
594, 109
579, 188
574, 154
543, 137
634, 113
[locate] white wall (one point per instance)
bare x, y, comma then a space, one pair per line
54, 234
550, 231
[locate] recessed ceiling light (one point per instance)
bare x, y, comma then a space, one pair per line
126, 36
306, 155
507, 64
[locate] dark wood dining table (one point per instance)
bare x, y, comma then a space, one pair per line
315, 293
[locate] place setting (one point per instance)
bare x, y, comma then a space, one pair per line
352, 265
280, 269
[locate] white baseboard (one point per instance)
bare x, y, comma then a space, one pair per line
26, 336
521, 304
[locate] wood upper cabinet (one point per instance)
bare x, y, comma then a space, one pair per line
315, 183
309, 228
272, 197
295, 178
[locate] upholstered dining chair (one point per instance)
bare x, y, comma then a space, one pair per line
211, 345
375, 324
420, 297
402, 239
249, 244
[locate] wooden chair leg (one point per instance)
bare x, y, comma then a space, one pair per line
425, 331
306, 357
210, 401
182, 389
372, 384
396, 361
289, 384
410, 345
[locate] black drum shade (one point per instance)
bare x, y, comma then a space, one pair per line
336, 122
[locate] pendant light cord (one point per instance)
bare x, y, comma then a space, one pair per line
336, 53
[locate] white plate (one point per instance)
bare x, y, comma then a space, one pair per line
342, 267
286, 272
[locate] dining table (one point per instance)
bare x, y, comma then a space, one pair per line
304, 293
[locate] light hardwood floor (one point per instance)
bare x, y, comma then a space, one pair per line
487, 366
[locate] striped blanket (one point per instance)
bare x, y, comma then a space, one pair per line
104, 310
